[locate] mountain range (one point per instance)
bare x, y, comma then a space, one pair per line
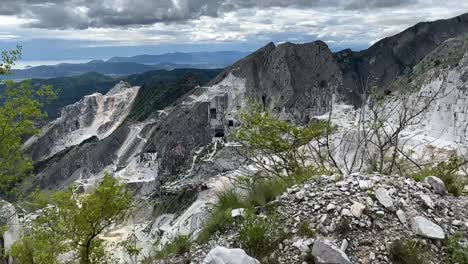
120, 66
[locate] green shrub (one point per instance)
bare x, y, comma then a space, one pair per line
259, 236
264, 191
456, 252
178, 246
407, 252
220, 216
447, 171
305, 230
258, 191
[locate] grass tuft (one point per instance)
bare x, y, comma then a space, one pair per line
407, 252
176, 247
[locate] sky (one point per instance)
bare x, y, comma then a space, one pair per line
100, 29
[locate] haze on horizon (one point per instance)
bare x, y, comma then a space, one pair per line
99, 29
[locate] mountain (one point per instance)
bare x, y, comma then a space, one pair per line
295, 79
172, 143
219, 59
101, 67
394, 56
72, 89
120, 66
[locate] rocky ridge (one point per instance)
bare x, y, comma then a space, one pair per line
353, 221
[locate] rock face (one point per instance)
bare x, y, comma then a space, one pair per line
325, 252
222, 255
9, 219
393, 56
298, 79
95, 115
423, 227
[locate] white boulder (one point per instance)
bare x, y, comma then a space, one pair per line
423, 227
437, 185
384, 199
357, 209
240, 212
427, 200
325, 252
222, 255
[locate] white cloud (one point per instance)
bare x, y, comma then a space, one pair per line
340, 26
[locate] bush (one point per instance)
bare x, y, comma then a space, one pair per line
220, 216
447, 171
264, 190
407, 252
258, 191
259, 236
305, 230
264, 136
456, 252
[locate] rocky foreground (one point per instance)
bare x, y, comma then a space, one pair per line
352, 220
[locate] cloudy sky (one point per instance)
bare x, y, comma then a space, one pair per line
85, 29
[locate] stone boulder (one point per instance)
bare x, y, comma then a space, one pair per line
325, 252
222, 255
423, 227
437, 185
384, 199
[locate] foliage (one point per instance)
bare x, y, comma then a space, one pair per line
407, 252
456, 252
275, 145
248, 193
261, 190
305, 230
259, 236
448, 172
8, 60
220, 215
20, 112
160, 89
74, 223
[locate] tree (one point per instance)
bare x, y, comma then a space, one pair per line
274, 145
73, 224
20, 113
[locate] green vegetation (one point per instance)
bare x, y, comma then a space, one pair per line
305, 230
260, 236
20, 113
74, 223
456, 252
178, 246
448, 172
220, 216
408, 252
265, 137
160, 89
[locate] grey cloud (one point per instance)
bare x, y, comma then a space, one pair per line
82, 14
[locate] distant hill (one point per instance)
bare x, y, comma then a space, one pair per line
217, 58
120, 66
156, 85
101, 67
